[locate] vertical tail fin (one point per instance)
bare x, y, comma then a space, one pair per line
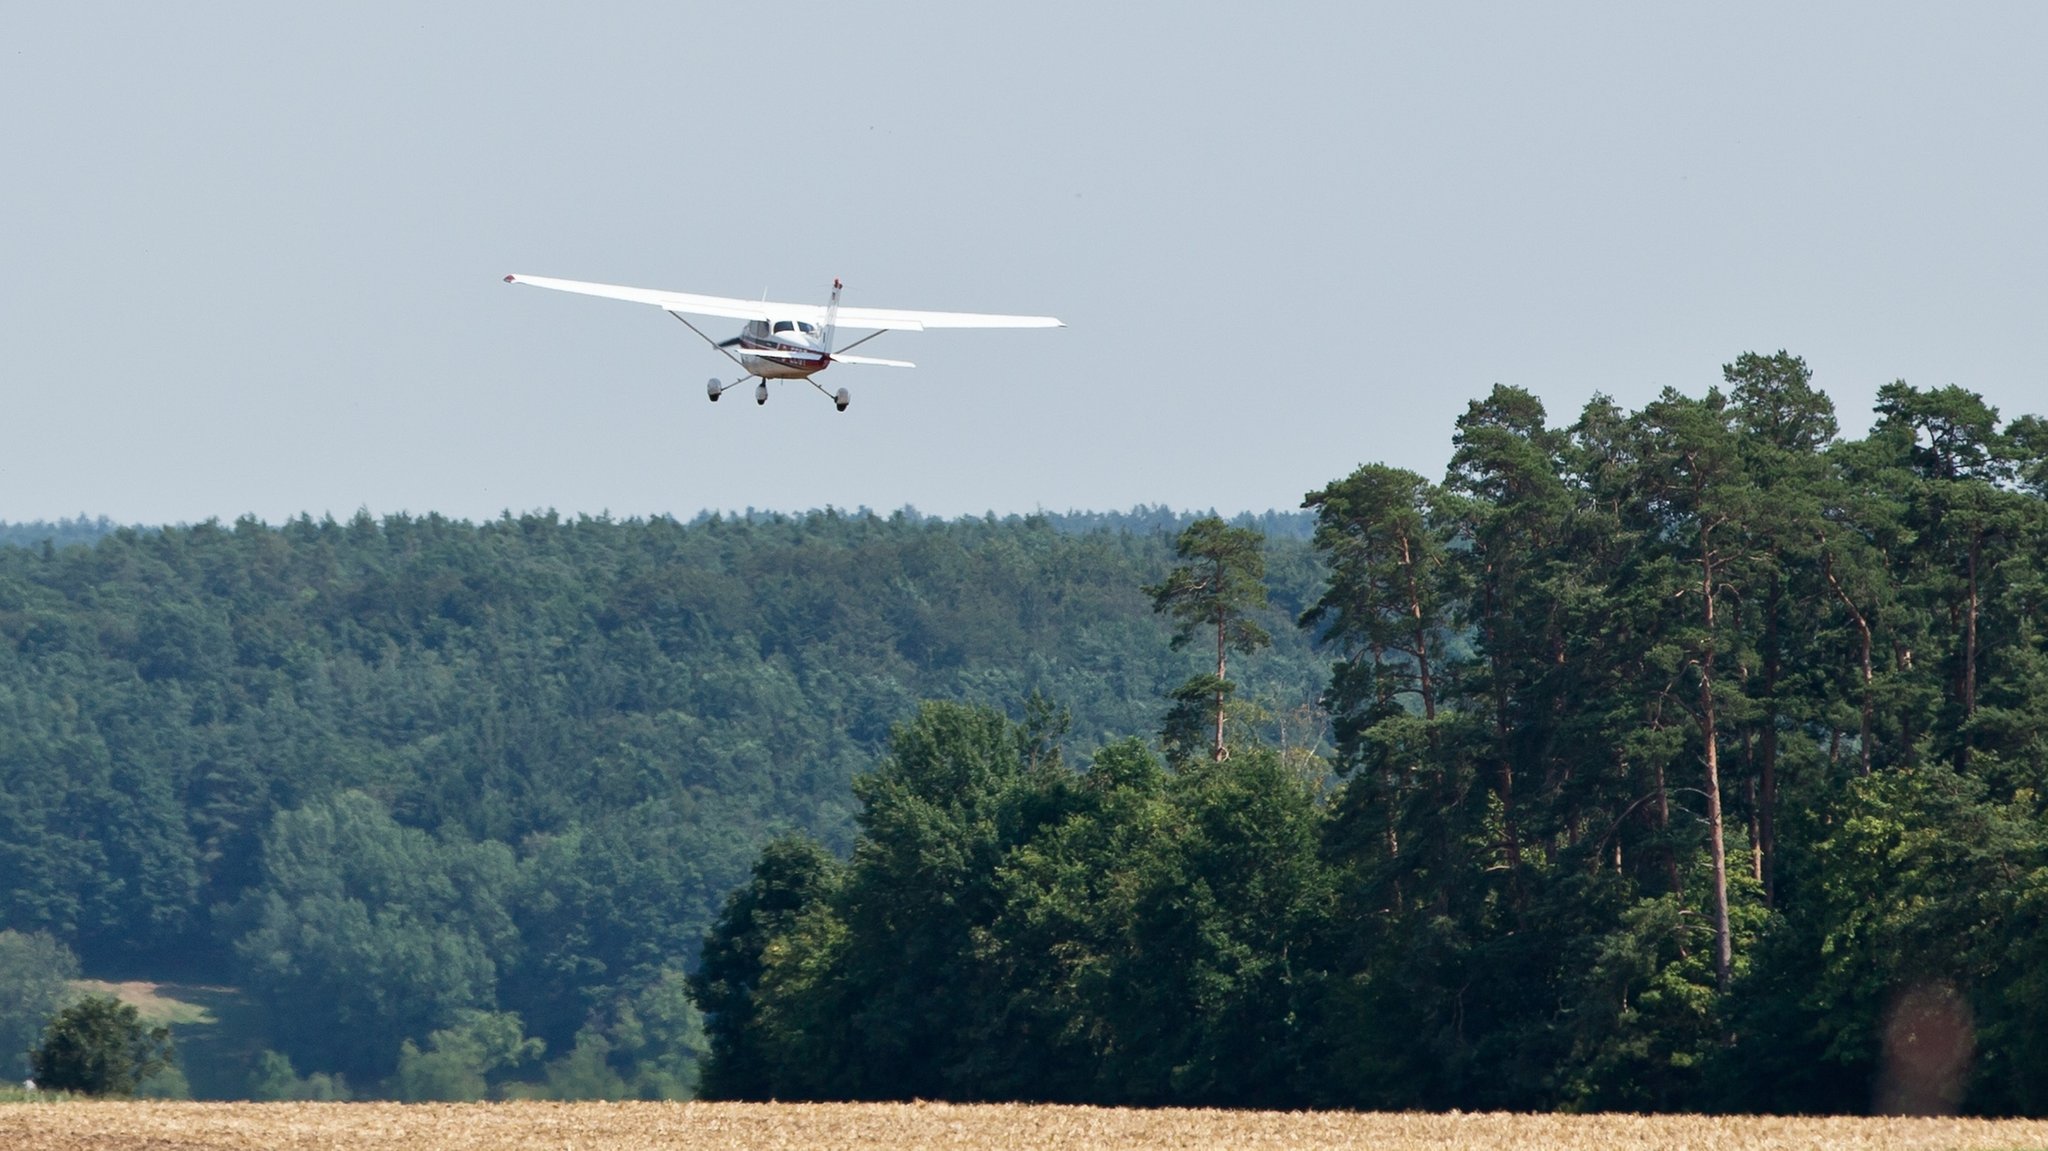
832, 314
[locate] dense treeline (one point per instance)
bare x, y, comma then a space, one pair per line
432, 791
62, 533
1689, 757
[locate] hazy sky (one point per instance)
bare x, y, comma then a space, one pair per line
251, 255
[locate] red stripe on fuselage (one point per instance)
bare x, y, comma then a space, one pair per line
777, 368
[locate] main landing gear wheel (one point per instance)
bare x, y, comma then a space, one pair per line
714, 389
842, 399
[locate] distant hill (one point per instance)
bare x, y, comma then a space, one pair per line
197, 722
1142, 519
63, 533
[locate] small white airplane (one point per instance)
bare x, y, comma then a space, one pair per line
789, 341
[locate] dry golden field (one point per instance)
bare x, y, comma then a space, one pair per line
908, 1127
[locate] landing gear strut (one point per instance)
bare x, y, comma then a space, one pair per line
839, 399
714, 389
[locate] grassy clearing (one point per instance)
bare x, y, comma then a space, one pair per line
860, 1127
166, 1003
218, 1031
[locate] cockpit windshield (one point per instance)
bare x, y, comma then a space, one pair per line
785, 326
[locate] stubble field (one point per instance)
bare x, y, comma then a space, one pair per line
906, 1127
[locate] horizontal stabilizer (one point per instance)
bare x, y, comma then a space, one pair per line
782, 354
875, 361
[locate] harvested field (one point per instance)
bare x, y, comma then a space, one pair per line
904, 1127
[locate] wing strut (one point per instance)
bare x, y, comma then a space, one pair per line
862, 340
718, 347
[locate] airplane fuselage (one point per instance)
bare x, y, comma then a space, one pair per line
799, 336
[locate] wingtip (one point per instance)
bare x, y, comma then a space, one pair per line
508, 279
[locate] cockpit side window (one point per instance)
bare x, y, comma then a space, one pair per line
807, 329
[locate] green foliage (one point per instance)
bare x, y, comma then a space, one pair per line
458, 1061
1218, 586
1010, 930
648, 1046
274, 1080
1683, 758
1686, 757
381, 772
35, 974
791, 879
100, 1046
374, 926
166, 1082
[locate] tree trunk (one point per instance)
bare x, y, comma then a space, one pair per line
1421, 635
1969, 677
1756, 837
1723, 949
1507, 765
1723, 944
1218, 752
1489, 615
1671, 876
1827, 567
1766, 779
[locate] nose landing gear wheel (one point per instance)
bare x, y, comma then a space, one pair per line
761, 392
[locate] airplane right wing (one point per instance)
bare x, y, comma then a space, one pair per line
695, 305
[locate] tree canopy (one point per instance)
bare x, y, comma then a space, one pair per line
1685, 757
1688, 757
100, 1046
387, 774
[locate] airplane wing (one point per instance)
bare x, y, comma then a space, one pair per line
671, 301
738, 309
896, 320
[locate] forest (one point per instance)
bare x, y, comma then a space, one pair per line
1687, 758
1683, 758
478, 791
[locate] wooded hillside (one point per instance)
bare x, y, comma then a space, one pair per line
391, 774
1691, 757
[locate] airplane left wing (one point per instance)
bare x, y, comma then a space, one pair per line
897, 320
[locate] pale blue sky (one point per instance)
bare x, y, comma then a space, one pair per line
251, 254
